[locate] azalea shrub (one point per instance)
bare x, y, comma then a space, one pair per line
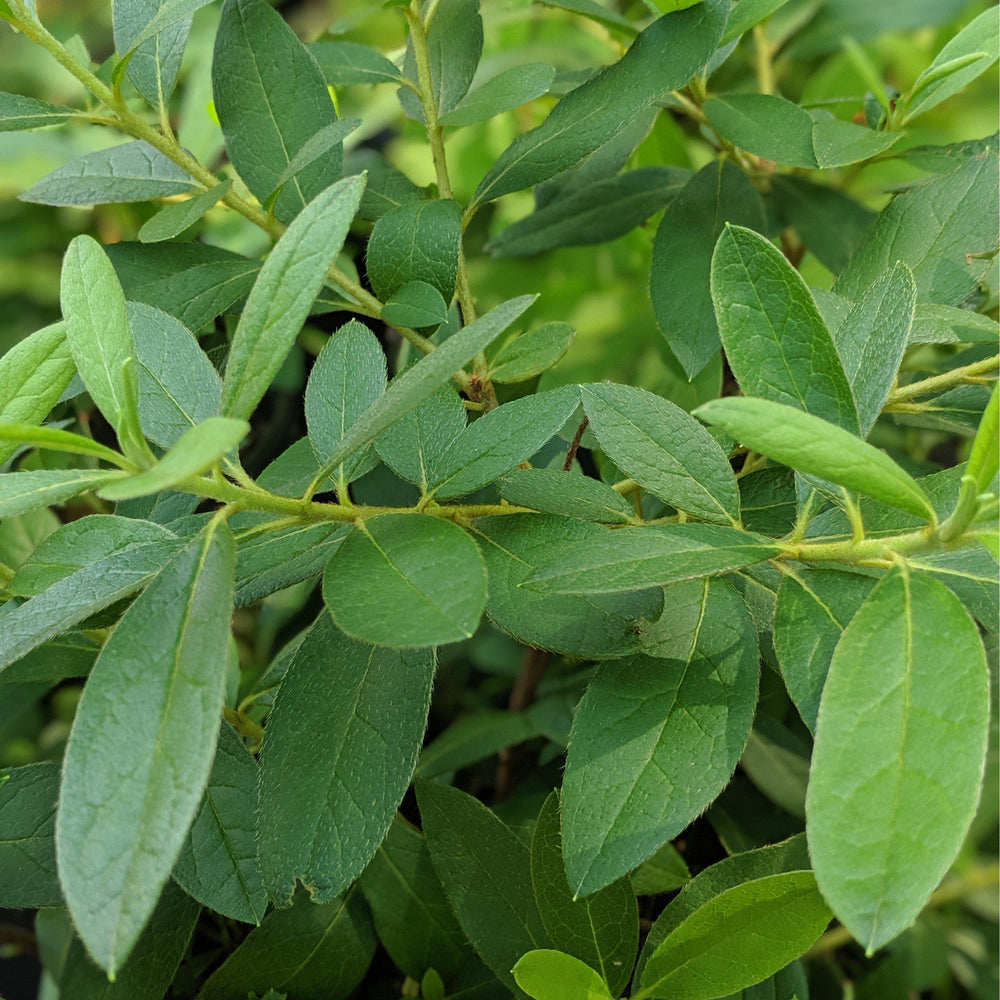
500, 500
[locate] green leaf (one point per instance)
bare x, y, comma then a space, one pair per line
941, 230
150, 968
592, 213
630, 784
419, 241
738, 938
218, 863
58, 440
387, 187
415, 304
966, 56
775, 339
409, 390
123, 817
407, 581
327, 799
747, 866
310, 952
765, 125
499, 440
326, 139
347, 378
412, 446
983, 458
454, 45
664, 450
27, 836
166, 14
745, 14
33, 375
100, 337
345, 63
24, 491
601, 930
814, 447
174, 219
471, 738
412, 915
179, 387
814, 607
531, 353
872, 339
284, 291
71, 655
554, 491
504, 92
271, 99
647, 556
663, 58
17, 112
594, 11
134, 171
936, 324
195, 451
682, 257
837, 143
879, 776
486, 873
552, 975
152, 65
665, 871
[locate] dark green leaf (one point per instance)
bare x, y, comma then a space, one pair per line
531, 353
344, 63
504, 92
415, 304
553, 491
472, 738
326, 801
152, 65
663, 872
766, 125
27, 836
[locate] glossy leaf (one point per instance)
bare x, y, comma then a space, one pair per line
817, 448
326, 803
122, 818
280, 299
407, 581
879, 777
655, 740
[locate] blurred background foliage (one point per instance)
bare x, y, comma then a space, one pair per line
601, 289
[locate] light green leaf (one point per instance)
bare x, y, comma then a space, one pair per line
966, 56
531, 353
664, 450
174, 219
415, 304
647, 556
326, 803
682, 257
872, 339
33, 375
345, 63
596, 12
504, 92
27, 836
937, 324
309, 952
100, 337
218, 862
601, 930
407, 581
24, 491
944, 230
813, 608
134, 171
553, 975
409, 390
983, 458
738, 938
419, 241
879, 776
58, 440
271, 99
167, 13
346, 379
152, 65
663, 58
412, 916
123, 817
499, 440
195, 451
486, 873
814, 447
775, 339
554, 491
630, 783
412, 446
284, 291
17, 112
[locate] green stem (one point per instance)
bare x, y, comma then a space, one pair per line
946, 380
